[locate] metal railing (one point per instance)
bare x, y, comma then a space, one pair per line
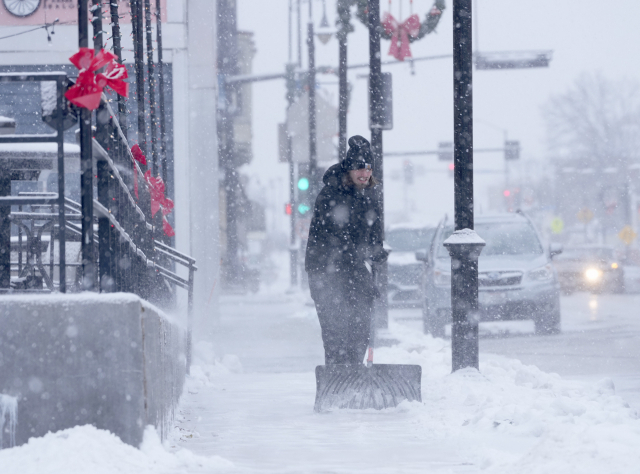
132, 254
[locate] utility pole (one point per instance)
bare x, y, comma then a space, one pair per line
376, 113
464, 245
227, 66
290, 85
313, 158
343, 31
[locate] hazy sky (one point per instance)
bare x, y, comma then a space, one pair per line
585, 36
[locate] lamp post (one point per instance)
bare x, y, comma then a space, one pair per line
311, 48
343, 31
464, 245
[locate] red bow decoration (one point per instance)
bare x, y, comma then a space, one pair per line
140, 158
159, 201
88, 88
400, 34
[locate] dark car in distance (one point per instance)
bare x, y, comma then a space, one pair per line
592, 268
405, 272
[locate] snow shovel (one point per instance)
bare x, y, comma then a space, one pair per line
374, 386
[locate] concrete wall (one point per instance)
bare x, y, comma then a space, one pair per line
111, 360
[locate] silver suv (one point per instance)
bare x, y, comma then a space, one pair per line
516, 279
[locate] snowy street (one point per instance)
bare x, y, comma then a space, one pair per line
251, 402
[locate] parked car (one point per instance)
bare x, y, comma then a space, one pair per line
405, 272
590, 268
516, 279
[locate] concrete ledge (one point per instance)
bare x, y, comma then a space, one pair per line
110, 360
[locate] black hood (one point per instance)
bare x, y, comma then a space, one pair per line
333, 176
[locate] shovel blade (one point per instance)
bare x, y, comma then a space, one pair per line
360, 387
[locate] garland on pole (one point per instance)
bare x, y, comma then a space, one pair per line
400, 34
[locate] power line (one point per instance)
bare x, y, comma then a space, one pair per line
45, 26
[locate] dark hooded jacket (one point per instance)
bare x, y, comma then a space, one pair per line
345, 232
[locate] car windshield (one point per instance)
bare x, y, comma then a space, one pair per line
409, 240
501, 238
587, 254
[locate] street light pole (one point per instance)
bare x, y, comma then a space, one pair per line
376, 113
343, 31
464, 246
313, 158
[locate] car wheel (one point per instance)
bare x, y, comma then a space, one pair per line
547, 320
435, 321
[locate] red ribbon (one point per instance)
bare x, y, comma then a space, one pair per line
400, 34
159, 202
140, 158
88, 88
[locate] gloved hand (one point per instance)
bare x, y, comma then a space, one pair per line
380, 255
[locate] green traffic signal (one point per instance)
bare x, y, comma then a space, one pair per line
303, 184
303, 208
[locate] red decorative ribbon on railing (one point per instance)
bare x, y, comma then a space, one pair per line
159, 201
140, 158
400, 34
88, 88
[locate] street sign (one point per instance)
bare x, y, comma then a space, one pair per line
585, 215
511, 150
385, 119
557, 225
326, 129
627, 235
445, 151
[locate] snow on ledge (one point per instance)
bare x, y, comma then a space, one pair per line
464, 236
87, 297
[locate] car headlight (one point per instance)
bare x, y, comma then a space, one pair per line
441, 278
541, 274
593, 274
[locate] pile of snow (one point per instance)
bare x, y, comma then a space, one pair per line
568, 426
85, 449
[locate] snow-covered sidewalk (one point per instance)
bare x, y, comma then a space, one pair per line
248, 407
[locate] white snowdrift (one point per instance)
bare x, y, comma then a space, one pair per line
85, 449
572, 427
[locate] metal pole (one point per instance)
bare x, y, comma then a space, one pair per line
163, 129
376, 106
151, 88
61, 200
104, 274
313, 158
298, 18
117, 49
293, 251
464, 257
136, 21
86, 165
343, 18
227, 66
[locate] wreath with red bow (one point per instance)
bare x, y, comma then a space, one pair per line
403, 33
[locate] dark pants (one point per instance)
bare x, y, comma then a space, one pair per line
345, 320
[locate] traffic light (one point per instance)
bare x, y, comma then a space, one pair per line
288, 208
451, 168
407, 168
304, 204
445, 151
303, 183
511, 150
